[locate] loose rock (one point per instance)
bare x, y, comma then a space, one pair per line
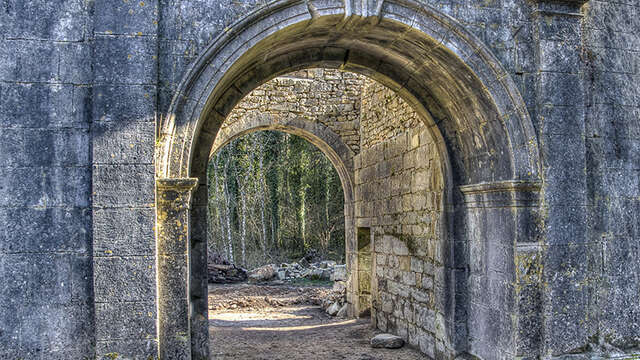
339, 286
221, 271
264, 273
388, 341
333, 309
342, 313
339, 273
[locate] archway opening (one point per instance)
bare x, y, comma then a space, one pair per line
274, 198
392, 175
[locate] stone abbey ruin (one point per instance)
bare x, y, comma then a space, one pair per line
489, 153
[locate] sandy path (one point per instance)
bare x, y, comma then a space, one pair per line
290, 332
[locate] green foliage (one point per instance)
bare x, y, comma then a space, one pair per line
277, 197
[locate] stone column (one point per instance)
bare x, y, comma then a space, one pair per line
504, 242
173, 197
560, 118
198, 282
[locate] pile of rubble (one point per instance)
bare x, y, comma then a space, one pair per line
258, 297
334, 302
324, 270
221, 271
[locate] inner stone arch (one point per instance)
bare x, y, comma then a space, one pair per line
466, 101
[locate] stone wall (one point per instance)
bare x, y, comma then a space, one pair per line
46, 292
384, 115
399, 189
609, 253
326, 96
83, 85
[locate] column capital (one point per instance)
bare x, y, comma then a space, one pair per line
502, 193
176, 184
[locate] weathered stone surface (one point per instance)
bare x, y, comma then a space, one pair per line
339, 273
72, 184
339, 286
324, 96
388, 341
334, 309
342, 312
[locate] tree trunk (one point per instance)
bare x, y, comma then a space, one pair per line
261, 183
243, 237
228, 210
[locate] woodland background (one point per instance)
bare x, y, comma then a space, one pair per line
274, 197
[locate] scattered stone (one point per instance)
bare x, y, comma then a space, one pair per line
315, 274
333, 309
326, 302
342, 313
327, 264
221, 271
282, 275
324, 271
339, 286
264, 273
339, 273
388, 341
326, 275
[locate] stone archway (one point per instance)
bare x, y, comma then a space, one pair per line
468, 101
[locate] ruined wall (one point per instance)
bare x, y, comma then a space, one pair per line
123, 105
46, 292
84, 83
609, 253
326, 96
384, 115
399, 188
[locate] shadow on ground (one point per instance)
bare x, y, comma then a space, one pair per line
301, 331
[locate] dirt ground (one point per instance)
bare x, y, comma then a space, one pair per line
252, 322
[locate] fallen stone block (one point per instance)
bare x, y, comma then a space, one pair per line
387, 341
342, 313
264, 273
333, 309
339, 273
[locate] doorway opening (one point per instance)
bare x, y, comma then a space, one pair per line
274, 198
383, 159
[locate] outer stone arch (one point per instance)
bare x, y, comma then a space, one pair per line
386, 41
452, 80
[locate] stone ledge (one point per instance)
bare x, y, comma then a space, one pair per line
501, 186
176, 183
